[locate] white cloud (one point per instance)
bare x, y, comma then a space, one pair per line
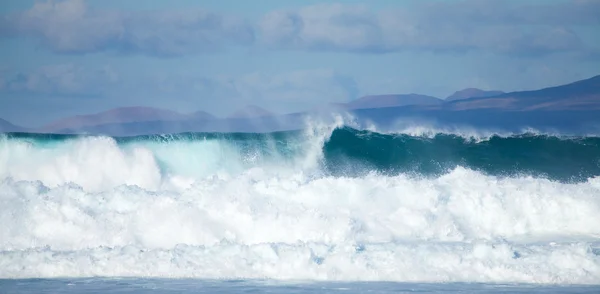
438, 26
71, 27
279, 92
62, 79
328, 27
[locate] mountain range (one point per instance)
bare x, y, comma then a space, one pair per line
579, 95
582, 96
6, 126
472, 93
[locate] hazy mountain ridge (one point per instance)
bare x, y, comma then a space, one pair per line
200, 115
579, 95
6, 126
115, 115
251, 111
583, 95
472, 93
391, 100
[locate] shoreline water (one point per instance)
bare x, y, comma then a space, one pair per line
144, 285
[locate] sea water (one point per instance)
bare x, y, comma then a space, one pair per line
327, 209
141, 285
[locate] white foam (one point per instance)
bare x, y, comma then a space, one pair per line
430, 129
95, 163
89, 207
409, 262
464, 226
98, 163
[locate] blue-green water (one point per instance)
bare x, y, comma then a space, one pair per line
565, 159
355, 152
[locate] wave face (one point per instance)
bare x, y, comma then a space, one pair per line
326, 203
564, 159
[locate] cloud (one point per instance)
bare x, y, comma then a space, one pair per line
326, 27
279, 92
61, 79
71, 27
435, 26
476, 12
183, 91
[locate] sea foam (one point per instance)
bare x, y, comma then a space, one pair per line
91, 206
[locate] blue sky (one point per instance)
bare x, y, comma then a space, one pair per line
61, 58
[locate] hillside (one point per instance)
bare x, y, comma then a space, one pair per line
472, 93
250, 111
579, 95
115, 115
6, 126
200, 115
393, 100
574, 98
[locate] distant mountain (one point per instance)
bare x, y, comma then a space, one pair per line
200, 115
6, 127
115, 115
251, 111
472, 93
573, 104
580, 95
393, 100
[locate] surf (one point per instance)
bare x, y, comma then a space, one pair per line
332, 202
99, 162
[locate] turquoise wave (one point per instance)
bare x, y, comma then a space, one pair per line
558, 158
351, 152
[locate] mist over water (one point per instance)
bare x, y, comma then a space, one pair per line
329, 202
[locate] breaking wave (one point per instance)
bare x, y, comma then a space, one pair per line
325, 203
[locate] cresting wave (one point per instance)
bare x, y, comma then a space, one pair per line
326, 203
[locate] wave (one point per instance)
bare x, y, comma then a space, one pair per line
98, 162
558, 158
325, 203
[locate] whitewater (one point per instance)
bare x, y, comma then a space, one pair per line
327, 203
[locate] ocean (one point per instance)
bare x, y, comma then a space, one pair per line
329, 209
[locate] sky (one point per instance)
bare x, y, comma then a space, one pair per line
62, 58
